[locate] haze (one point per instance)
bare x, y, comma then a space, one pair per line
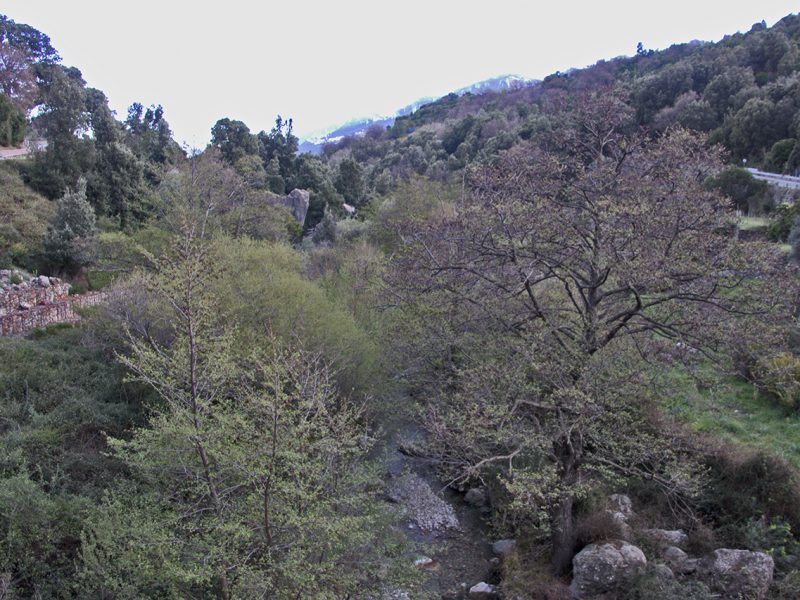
323, 63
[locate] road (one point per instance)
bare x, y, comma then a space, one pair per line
784, 181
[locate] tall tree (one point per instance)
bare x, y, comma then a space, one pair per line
253, 456
546, 287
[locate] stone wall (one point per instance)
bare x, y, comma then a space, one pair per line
28, 303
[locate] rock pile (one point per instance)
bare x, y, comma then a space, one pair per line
606, 567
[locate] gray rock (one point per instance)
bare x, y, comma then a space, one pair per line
675, 558
425, 509
43, 281
25, 306
476, 497
481, 591
601, 568
297, 202
664, 538
662, 571
737, 573
504, 547
622, 504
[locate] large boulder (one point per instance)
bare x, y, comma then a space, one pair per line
297, 201
737, 573
602, 568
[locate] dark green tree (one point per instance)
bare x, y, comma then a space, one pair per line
74, 225
12, 123
350, 183
234, 140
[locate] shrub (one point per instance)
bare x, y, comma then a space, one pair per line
649, 584
780, 376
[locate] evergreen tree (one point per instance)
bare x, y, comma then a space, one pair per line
74, 225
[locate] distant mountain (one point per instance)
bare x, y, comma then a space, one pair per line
314, 143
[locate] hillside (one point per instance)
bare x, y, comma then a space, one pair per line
531, 340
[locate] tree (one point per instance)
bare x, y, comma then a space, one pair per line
350, 183
22, 48
748, 193
253, 459
281, 144
74, 225
63, 119
234, 140
12, 123
546, 293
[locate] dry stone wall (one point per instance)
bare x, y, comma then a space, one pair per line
29, 303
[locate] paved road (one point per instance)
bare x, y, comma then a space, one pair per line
27, 148
784, 181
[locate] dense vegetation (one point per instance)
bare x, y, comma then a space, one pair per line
552, 279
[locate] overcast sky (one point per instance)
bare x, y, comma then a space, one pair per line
325, 62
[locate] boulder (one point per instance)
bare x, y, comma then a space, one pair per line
476, 497
43, 281
296, 201
678, 560
504, 547
601, 568
662, 571
737, 573
664, 538
622, 504
482, 591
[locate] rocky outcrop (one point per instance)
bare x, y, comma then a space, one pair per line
602, 568
737, 573
297, 202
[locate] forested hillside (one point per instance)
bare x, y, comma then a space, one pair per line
538, 343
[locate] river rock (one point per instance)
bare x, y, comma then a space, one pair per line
737, 573
482, 591
426, 510
601, 568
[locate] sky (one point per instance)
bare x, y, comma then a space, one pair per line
326, 62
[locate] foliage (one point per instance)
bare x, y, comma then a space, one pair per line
12, 123
65, 244
560, 269
24, 216
748, 194
254, 450
57, 397
651, 584
780, 376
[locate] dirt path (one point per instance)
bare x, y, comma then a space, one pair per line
451, 538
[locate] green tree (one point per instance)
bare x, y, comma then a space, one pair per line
255, 459
12, 123
234, 140
350, 183
73, 227
63, 119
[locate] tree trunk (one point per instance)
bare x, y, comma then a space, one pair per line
568, 451
563, 536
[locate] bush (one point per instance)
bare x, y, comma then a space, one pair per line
780, 376
649, 584
748, 485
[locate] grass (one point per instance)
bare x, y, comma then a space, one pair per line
749, 223
731, 409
